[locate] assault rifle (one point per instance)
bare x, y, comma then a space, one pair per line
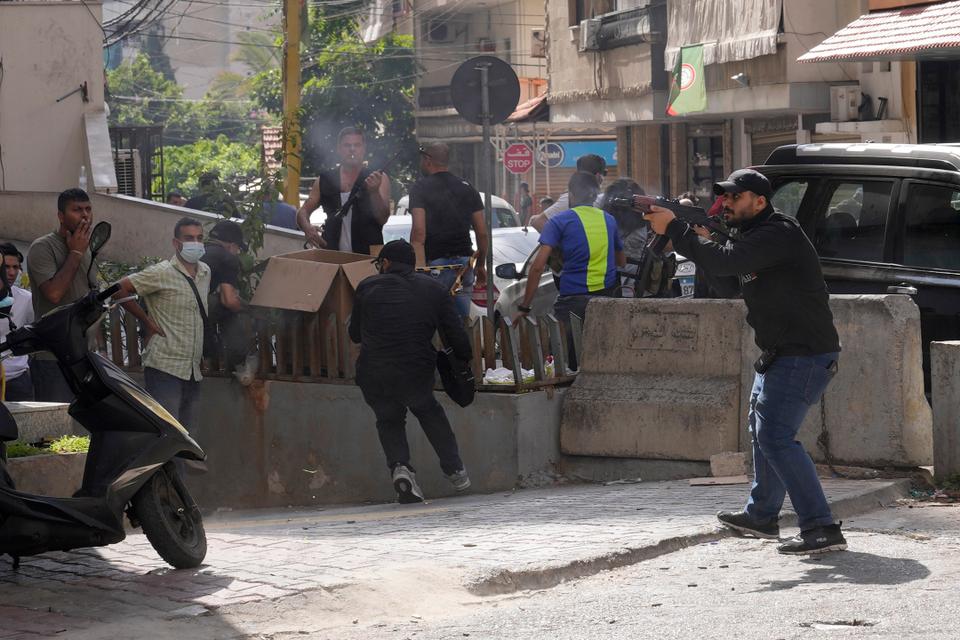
689, 214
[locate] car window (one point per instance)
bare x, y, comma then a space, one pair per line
503, 217
932, 237
853, 225
788, 195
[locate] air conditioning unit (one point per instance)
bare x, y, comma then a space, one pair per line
845, 103
440, 31
589, 32
538, 43
129, 174
486, 45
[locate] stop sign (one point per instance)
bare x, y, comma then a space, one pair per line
518, 158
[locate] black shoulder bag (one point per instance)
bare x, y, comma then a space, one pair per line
211, 341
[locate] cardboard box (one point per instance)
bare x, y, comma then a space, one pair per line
316, 282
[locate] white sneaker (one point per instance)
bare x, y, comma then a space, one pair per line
460, 480
405, 483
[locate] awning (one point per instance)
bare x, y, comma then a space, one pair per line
728, 31
532, 109
929, 32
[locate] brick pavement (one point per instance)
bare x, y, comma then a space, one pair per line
262, 555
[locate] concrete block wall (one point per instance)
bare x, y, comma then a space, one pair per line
945, 371
37, 421
659, 380
672, 379
285, 443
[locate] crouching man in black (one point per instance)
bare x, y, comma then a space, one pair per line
395, 316
788, 308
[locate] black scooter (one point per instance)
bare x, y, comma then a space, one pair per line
129, 466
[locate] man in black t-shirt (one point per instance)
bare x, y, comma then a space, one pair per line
444, 208
221, 254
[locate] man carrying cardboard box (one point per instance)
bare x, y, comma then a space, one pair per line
395, 316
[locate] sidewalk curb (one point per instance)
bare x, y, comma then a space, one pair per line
509, 581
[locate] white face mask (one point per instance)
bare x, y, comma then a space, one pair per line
192, 251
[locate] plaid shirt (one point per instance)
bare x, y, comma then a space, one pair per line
171, 302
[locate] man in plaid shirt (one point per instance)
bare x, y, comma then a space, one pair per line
175, 324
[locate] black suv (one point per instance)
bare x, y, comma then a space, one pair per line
884, 218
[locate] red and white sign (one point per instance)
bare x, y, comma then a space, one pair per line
518, 158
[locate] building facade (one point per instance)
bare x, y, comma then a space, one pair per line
52, 119
907, 58
609, 62
449, 33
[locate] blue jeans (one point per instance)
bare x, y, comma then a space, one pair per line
177, 396
20, 389
778, 404
447, 277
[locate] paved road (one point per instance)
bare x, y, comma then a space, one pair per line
263, 568
893, 583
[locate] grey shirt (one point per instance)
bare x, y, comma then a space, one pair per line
46, 255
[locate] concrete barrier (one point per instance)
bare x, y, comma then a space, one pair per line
38, 421
141, 228
659, 379
58, 475
672, 378
945, 371
287, 443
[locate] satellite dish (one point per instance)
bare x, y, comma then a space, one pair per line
502, 85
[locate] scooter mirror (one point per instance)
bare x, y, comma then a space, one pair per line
99, 237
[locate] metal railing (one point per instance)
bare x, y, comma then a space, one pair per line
311, 348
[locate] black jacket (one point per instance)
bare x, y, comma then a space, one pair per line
365, 229
779, 273
395, 316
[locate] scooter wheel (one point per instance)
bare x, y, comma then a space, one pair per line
170, 519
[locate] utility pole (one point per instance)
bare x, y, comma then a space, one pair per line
291, 101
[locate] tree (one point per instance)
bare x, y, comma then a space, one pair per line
236, 162
349, 83
139, 94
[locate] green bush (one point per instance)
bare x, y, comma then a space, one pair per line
22, 450
950, 483
66, 444
70, 444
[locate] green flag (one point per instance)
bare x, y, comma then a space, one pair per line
688, 89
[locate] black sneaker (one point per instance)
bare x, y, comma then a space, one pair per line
744, 523
816, 540
404, 481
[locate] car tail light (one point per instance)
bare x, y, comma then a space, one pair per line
479, 296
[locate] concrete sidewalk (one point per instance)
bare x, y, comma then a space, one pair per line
492, 544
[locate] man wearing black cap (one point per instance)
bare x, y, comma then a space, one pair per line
788, 308
223, 248
395, 315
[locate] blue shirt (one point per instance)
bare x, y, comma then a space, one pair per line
587, 239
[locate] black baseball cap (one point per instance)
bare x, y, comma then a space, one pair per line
228, 231
399, 251
744, 180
